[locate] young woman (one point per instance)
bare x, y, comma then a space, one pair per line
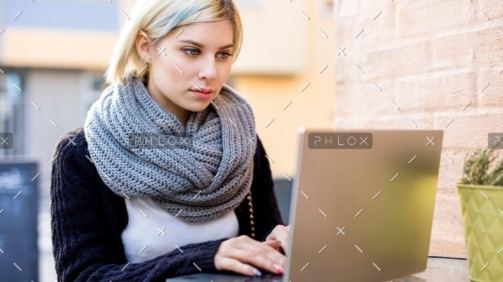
123, 213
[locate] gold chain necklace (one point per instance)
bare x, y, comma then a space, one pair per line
252, 222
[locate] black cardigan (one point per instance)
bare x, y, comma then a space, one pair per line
87, 221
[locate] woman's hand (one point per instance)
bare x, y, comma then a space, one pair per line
280, 233
243, 254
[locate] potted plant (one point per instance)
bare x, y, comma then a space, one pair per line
481, 199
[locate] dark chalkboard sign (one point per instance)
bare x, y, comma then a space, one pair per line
18, 221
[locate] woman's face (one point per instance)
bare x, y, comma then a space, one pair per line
189, 66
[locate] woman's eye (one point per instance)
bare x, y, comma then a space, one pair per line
191, 52
194, 52
225, 55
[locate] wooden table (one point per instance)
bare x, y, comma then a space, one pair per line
440, 270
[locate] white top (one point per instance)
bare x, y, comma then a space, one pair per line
152, 232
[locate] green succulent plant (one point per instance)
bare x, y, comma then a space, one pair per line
482, 168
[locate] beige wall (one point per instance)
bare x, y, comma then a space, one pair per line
431, 58
59, 49
313, 107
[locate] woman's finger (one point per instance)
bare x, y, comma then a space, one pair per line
273, 234
245, 242
284, 246
284, 238
281, 233
273, 243
269, 249
261, 260
277, 245
234, 265
259, 255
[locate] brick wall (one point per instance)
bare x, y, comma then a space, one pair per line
435, 64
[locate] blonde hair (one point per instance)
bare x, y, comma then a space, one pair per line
155, 19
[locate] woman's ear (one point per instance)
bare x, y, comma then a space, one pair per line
143, 46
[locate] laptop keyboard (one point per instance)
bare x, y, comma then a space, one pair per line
267, 277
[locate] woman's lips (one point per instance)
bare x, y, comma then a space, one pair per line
201, 94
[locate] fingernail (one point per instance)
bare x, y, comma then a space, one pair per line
278, 268
279, 242
256, 272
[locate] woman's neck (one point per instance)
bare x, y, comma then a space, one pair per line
167, 105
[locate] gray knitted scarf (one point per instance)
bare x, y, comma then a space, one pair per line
195, 183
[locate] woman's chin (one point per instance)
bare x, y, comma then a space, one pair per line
198, 107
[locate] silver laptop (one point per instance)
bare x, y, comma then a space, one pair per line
361, 208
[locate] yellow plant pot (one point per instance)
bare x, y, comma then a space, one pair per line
482, 216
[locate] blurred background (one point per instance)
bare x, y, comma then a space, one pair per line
338, 64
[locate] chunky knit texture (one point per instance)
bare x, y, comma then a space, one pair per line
196, 183
87, 220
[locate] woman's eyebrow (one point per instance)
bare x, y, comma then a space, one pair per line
201, 45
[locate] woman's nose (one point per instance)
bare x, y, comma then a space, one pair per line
208, 70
